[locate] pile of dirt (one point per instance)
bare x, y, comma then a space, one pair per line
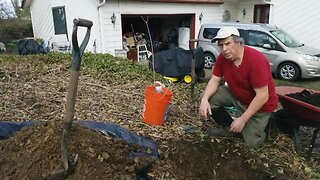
307, 97
34, 153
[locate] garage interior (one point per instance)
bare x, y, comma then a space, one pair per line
167, 31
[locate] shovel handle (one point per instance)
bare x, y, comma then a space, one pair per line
82, 22
191, 42
78, 51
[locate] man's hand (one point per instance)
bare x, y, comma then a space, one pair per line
211, 88
205, 109
237, 125
258, 101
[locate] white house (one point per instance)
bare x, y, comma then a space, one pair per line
297, 17
113, 19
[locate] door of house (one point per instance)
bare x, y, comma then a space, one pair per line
261, 13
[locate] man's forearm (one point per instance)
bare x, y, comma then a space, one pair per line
211, 88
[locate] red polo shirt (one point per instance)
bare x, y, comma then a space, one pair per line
254, 72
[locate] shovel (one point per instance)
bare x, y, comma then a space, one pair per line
194, 77
72, 94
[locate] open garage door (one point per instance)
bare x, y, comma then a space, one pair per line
167, 31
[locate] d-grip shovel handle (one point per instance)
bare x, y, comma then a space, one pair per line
75, 65
83, 22
78, 51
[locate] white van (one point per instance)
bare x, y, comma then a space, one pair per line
288, 58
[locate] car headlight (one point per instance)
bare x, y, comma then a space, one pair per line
310, 57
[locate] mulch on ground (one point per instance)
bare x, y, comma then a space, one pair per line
34, 88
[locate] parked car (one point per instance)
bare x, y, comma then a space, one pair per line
289, 59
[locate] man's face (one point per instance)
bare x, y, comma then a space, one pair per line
228, 48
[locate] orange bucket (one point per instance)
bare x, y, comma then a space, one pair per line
156, 105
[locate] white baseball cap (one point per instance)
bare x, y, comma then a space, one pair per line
225, 32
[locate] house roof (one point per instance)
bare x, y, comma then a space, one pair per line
26, 3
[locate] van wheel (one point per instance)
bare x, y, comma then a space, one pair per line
209, 60
288, 71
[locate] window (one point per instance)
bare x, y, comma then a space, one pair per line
59, 20
243, 33
210, 33
256, 38
261, 13
286, 39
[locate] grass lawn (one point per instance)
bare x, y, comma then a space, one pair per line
305, 83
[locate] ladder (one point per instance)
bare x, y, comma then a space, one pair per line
142, 52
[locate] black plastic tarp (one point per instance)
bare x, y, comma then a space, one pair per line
30, 46
176, 62
9, 128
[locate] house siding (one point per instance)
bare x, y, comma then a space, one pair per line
236, 9
249, 7
42, 21
108, 36
299, 18
85, 10
232, 8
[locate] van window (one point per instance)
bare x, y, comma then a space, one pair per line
243, 34
258, 39
286, 39
210, 33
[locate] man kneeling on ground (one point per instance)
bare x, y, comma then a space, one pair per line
250, 88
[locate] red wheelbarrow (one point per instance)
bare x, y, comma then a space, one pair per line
301, 113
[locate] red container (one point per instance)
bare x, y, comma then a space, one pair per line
296, 107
